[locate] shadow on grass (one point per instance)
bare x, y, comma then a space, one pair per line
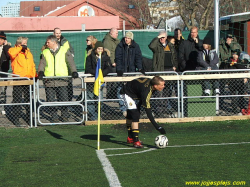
60, 137
108, 138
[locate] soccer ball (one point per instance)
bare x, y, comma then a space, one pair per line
161, 141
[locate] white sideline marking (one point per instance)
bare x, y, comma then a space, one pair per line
201, 145
110, 172
108, 169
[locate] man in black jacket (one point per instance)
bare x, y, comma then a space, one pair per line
4, 62
188, 54
140, 89
188, 51
128, 58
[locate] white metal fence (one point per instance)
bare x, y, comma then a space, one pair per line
63, 100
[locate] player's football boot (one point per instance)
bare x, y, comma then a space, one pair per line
131, 141
138, 144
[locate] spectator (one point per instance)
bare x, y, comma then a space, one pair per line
164, 59
22, 64
178, 38
91, 40
55, 61
91, 63
157, 46
237, 86
226, 46
110, 42
208, 60
4, 62
128, 58
64, 42
188, 51
140, 89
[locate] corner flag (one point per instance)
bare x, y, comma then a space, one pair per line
99, 81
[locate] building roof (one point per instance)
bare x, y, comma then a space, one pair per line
235, 18
18, 24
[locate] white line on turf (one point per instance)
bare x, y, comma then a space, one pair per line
110, 172
108, 169
151, 149
201, 145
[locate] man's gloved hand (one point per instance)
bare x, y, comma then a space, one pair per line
75, 75
24, 48
142, 71
161, 130
40, 75
119, 73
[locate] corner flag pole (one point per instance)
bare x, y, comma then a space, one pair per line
99, 112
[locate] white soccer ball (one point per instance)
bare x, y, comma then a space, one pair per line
161, 141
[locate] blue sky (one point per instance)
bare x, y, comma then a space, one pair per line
5, 2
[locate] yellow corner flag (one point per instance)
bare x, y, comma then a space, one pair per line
99, 81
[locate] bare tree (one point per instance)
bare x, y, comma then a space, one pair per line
196, 12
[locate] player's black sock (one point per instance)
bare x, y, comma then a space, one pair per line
130, 134
135, 135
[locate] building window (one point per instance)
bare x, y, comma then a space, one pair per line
37, 8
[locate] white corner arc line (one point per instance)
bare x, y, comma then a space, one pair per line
137, 152
108, 169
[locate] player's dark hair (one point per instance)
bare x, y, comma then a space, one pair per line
156, 80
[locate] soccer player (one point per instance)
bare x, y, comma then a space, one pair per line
140, 89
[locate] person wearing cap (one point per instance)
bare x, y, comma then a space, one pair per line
22, 64
56, 61
4, 62
128, 58
91, 63
157, 46
237, 86
208, 60
226, 46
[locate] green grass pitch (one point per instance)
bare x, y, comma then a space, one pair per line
66, 156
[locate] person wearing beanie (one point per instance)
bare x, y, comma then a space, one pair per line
128, 58
208, 60
91, 62
4, 63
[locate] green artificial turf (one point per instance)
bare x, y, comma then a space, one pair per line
52, 156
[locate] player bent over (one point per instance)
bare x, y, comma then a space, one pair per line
140, 89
